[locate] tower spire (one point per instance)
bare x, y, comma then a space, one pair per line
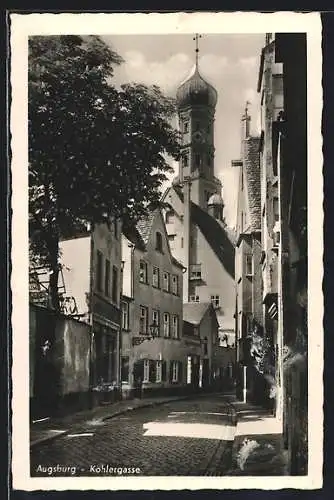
196, 38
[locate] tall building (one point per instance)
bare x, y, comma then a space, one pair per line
194, 213
248, 276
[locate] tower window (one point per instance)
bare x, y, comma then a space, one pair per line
185, 127
185, 160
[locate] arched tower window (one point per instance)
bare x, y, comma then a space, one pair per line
158, 242
185, 160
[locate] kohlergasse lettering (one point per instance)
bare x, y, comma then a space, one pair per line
108, 469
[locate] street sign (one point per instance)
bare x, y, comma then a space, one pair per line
140, 340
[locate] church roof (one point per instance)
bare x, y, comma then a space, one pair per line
195, 90
216, 236
252, 174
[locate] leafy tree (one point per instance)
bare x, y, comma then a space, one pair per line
95, 151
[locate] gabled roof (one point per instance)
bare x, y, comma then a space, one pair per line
139, 234
253, 181
193, 312
216, 236
144, 226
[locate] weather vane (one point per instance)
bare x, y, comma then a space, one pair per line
196, 38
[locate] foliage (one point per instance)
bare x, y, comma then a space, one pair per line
95, 151
261, 351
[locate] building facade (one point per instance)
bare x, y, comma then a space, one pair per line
89, 293
194, 218
152, 311
248, 255
290, 142
92, 265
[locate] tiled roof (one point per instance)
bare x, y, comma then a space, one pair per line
216, 236
144, 226
252, 176
193, 312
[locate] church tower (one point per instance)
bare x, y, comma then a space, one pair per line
196, 102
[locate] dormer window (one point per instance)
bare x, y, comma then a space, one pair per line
158, 242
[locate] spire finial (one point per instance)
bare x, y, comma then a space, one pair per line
196, 38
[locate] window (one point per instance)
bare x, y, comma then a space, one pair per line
166, 282
195, 271
185, 160
158, 373
125, 369
156, 320
185, 127
125, 316
171, 239
99, 263
182, 242
194, 298
249, 265
146, 376
215, 300
166, 325
156, 277
114, 284
143, 320
158, 242
169, 217
205, 346
175, 327
107, 278
175, 285
175, 371
143, 272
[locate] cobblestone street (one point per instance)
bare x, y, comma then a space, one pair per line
141, 440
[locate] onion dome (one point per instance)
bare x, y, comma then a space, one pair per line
215, 199
196, 91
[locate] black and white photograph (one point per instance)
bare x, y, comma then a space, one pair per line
169, 309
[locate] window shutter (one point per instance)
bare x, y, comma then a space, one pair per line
170, 371
163, 371
153, 370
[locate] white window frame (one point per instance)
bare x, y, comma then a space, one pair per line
143, 308
125, 315
215, 301
157, 275
194, 298
164, 281
146, 371
175, 326
175, 284
158, 373
175, 371
156, 316
143, 272
166, 324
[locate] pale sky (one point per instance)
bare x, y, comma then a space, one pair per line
229, 62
